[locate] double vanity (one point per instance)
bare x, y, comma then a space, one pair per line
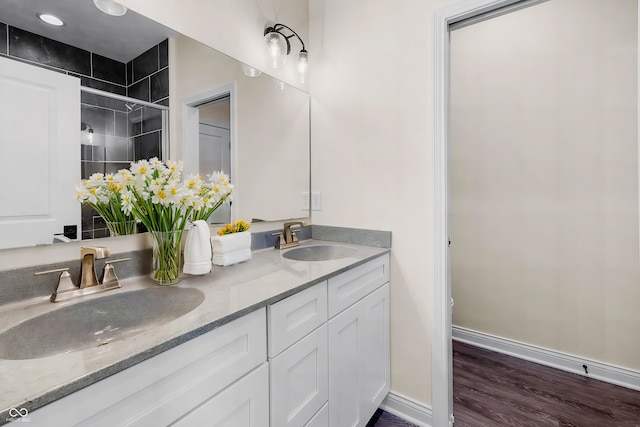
298, 337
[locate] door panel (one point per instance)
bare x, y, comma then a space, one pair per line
39, 139
214, 154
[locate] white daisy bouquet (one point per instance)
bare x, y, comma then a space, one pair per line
155, 195
103, 193
212, 194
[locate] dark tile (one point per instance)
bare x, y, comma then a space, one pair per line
163, 54
89, 168
99, 84
151, 119
135, 122
42, 50
121, 124
139, 90
160, 85
109, 69
118, 149
147, 146
145, 64
103, 101
3, 38
114, 167
100, 119
35, 64
129, 73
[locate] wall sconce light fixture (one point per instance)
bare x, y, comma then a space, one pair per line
278, 47
86, 127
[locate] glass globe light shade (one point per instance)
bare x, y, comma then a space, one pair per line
303, 62
110, 7
276, 49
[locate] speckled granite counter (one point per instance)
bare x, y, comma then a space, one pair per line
230, 292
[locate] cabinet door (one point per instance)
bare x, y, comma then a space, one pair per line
344, 406
359, 376
245, 403
374, 350
321, 419
299, 380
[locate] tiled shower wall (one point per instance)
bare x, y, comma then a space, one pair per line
120, 133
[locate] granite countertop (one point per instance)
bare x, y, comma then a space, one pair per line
230, 292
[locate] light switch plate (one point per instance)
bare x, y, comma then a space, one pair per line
316, 201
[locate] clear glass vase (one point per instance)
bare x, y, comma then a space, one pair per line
166, 256
121, 228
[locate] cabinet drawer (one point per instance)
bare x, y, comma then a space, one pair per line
300, 380
245, 403
353, 285
162, 389
296, 316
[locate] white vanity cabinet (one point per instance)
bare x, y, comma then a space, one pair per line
317, 358
359, 350
220, 376
330, 343
298, 358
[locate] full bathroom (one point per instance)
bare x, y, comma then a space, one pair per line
339, 173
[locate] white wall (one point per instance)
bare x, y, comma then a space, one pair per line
544, 155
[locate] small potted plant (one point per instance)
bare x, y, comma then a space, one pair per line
232, 244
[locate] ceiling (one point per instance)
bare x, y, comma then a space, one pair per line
116, 37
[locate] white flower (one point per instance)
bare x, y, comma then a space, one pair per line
141, 168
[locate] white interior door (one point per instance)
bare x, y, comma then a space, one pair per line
214, 154
40, 165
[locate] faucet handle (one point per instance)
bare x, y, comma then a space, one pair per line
280, 242
109, 277
64, 282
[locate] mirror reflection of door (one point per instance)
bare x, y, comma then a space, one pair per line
214, 147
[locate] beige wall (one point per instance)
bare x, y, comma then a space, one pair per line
372, 142
217, 113
270, 140
234, 27
544, 158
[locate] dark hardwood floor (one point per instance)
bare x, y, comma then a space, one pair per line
385, 419
492, 389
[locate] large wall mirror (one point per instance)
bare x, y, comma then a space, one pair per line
267, 121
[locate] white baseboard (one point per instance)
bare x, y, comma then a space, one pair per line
598, 370
407, 409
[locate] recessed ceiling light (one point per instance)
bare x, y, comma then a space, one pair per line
110, 7
50, 19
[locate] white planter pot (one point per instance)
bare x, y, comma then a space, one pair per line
231, 248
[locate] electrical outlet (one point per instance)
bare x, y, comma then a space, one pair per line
316, 201
305, 201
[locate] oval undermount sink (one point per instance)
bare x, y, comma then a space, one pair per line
96, 322
319, 253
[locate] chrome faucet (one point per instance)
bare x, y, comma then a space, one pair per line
288, 238
88, 256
